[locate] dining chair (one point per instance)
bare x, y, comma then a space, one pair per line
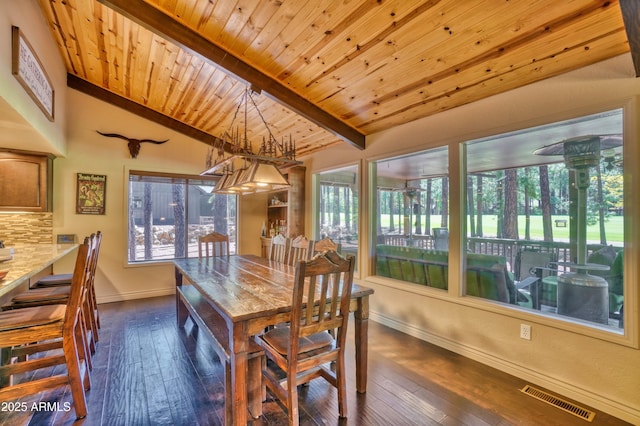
325, 244
279, 248
300, 249
303, 349
214, 244
60, 295
39, 330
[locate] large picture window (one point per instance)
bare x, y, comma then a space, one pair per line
337, 215
412, 218
545, 224
167, 214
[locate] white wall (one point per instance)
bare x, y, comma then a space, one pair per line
22, 124
566, 359
585, 367
89, 152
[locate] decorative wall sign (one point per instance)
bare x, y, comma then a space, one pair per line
90, 193
28, 70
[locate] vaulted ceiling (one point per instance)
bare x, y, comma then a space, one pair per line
324, 71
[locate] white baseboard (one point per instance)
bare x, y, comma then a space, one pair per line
121, 297
597, 401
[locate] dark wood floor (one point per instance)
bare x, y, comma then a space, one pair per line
149, 372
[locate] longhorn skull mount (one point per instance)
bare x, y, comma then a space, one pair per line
134, 144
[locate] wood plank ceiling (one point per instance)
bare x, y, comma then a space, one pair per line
328, 70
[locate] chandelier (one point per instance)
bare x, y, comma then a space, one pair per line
243, 170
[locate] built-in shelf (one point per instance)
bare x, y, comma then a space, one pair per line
285, 208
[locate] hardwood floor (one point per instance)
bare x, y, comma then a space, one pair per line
148, 372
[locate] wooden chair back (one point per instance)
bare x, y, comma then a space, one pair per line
214, 244
90, 303
301, 249
279, 248
305, 348
326, 244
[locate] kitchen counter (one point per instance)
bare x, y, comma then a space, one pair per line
30, 260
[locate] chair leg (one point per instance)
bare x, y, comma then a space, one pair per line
95, 317
83, 346
77, 378
5, 358
341, 384
292, 400
89, 326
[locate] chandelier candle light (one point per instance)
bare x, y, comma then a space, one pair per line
244, 171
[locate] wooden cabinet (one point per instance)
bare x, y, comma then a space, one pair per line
285, 208
25, 181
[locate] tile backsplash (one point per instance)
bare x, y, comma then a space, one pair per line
26, 228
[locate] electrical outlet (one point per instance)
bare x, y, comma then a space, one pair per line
525, 331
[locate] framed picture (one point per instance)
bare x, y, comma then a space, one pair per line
90, 193
28, 70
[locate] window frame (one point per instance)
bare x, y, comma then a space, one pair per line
316, 203
169, 176
629, 337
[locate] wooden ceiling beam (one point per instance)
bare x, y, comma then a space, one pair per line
631, 17
104, 95
159, 23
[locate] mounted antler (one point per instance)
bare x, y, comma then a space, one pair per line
134, 144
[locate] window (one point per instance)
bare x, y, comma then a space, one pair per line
412, 203
337, 216
167, 214
545, 224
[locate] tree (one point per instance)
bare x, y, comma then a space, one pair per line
220, 219
335, 222
347, 208
427, 222
470, 206
529, 191
510, 224
500, 198
147, 217
132, 226
391, 211
545, 202
418, 213
179, 244
479, 203
444, 222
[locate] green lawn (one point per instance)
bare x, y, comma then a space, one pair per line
614, 227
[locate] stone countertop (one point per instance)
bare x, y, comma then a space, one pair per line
30, 259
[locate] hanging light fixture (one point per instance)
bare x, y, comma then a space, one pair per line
243, 170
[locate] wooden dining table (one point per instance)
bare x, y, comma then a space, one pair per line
250, 293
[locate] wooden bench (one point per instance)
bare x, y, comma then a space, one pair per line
191, 304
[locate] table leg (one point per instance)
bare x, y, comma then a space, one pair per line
361, 323
255, 389
239, 364
181, 311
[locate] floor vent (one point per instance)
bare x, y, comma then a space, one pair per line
560, 403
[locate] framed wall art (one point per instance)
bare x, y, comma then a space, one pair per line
28, 70
91, 191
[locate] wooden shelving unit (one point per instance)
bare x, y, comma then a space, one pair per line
285, 208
